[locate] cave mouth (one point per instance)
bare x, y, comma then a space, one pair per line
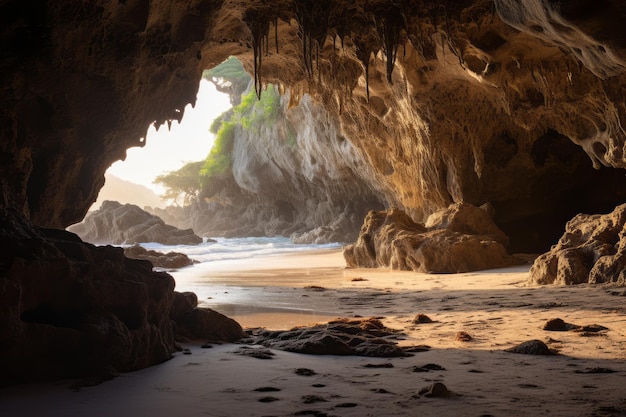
565, 185
166, 150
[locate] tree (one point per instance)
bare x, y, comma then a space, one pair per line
229, 77
183, 183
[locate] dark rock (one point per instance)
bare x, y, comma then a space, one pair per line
428, 367
378, 365
531, 347
311, 399
591, 328
361, 337
463, 337
204, 324
169, 260
422, 318
118, 224
436, 390
268, 399
71, 309
305, 372
558, 325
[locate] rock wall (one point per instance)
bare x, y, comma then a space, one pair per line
295, 175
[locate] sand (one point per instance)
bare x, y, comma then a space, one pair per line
495, 308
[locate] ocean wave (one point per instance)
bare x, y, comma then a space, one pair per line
238, 248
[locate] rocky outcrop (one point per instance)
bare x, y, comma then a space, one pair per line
592, 250
169, 260
194, 323
115, 223
360, 337
71, 309
459, 239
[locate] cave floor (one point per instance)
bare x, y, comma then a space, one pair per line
495, 308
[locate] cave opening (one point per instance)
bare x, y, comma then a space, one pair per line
164, 153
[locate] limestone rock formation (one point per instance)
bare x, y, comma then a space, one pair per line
445, 101
292, 174
592, 250
169, 260
459, 239
115, 223
71, 309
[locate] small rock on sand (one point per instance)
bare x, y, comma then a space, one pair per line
531, 347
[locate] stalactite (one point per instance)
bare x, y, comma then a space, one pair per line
390, 24
312, 17
258, 21
366, 40
363, 53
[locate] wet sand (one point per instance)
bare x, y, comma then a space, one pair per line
495, 308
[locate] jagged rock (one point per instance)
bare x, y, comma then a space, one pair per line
392, 239
467, 219
361, 337
71, 309
116, 223
592, 250
169, 260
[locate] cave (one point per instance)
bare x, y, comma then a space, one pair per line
427, 103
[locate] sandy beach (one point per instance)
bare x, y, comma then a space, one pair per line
475, 318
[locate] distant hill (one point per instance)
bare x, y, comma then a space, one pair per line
117, 189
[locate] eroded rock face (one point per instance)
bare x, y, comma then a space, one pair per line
116, 224
459, 239
72, 309
295, 176
592, 250
514, 108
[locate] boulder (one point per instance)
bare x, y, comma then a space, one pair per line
194, 323
592, 250
169, 260
461, 238
115, 223
71, 309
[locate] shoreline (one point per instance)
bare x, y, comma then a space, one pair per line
496, 308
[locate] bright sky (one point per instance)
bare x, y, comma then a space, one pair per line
167, 150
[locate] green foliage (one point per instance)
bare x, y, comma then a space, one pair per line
253, 113
229, 77
219, 159
184, 182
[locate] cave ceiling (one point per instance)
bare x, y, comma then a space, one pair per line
516, 104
